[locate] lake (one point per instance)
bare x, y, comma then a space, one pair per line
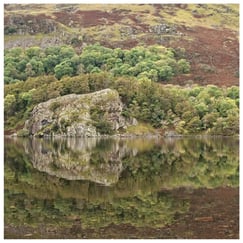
170, 188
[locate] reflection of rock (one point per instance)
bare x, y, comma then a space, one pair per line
171, 133
71, 115
148, 165
78, 159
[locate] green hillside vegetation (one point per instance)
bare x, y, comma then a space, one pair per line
155, 62
60, 71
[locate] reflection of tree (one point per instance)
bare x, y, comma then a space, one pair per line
189, 162
168, 163
16, 161
154, 210
136, 157
37, 197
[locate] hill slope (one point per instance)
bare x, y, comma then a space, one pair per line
208, 33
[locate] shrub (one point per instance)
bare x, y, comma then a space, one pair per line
103, 127
23, 133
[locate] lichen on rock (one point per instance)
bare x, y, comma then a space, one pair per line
85, 115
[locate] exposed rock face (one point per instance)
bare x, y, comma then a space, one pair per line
163, 29
29, 24
78, 115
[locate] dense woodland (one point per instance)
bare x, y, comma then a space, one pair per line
139, 75
155, 62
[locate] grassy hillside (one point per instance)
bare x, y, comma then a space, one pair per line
207, 15
209, 33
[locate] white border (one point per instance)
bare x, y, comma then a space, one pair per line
122, 1
91, 2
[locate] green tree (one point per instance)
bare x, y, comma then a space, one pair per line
62, 69
77, 85
233, 92
33, 52
26, 98
37, 66
54, 90
29, 70
100, 80
214, 91
133, 56
201, 109
52, 51
66, 52
95, 70
157, 114
165, 73
188, 115
224, 105
226, 126
209, 120
195, 91
11, 74
194, 125
49, 63
183, 66
9, 104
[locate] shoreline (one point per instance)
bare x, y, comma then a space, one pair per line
127, 136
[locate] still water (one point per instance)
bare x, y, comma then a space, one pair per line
81, 188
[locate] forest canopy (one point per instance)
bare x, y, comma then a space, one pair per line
187, 110
155, 62
35, 75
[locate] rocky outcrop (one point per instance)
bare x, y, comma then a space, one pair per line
73, 115
29, 24
163, 29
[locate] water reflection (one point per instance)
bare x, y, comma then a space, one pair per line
111, 181
76, 159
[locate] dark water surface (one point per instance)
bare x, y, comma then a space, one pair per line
121, 188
